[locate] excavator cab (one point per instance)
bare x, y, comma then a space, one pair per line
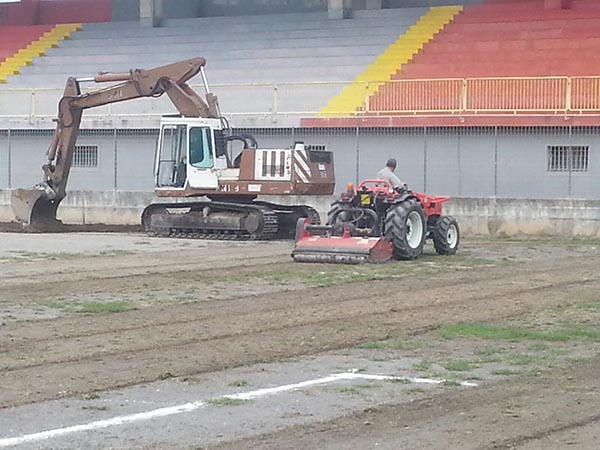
190, 153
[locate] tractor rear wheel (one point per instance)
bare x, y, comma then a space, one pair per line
446, 236
405, 227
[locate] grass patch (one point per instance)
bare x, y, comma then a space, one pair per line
485, 331
390, 344
459, 366
105, 307
524, 359
357, 389
490, 351
423, 365
91, 396
96, 408
324, 275
192, 379
507, 372
579, 242
594, 306
348, 390
238, 383
25, 256
539, 347
415, 391
228, 401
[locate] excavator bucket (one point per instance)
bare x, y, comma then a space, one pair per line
315, 244
34, 210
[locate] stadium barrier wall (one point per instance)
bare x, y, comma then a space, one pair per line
501, 162
476, 216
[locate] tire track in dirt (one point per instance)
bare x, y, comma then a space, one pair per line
520, 441
165, 335
82, 268
157, 316
450, 419
25, 293
101, 372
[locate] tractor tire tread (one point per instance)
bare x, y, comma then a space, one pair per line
395, 229
440, 233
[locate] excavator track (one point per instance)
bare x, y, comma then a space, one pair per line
211, 220
288, 215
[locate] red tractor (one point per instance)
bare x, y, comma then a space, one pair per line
376, 223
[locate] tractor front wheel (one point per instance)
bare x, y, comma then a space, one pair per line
405, 227
446, 236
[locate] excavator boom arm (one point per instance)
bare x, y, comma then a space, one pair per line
41, 202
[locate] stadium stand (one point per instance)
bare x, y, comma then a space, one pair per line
513, 57
403, 61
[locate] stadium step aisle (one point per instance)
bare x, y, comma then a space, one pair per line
35, 47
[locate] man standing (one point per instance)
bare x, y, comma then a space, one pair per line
388, 174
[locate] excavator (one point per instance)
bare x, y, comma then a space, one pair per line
204, 191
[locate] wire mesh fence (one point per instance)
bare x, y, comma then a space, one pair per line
524, 162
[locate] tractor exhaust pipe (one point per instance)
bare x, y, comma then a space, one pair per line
35, 209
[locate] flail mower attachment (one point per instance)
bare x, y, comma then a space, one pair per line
35, 209
317, 244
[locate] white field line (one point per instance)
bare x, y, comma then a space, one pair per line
189, 407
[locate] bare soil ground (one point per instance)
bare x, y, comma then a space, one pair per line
90, 319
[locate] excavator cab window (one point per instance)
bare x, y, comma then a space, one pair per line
201, 148
171, 156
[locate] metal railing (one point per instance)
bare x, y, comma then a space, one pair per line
539, 95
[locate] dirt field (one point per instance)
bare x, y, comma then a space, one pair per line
85, 316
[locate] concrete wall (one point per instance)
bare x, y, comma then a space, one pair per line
476, 216
459, 162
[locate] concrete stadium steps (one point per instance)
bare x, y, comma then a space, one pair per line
264, 37
235, 56
227, 76
251, 49
214, 64
389, 62
24, 56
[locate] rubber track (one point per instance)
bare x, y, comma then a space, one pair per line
269, 229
